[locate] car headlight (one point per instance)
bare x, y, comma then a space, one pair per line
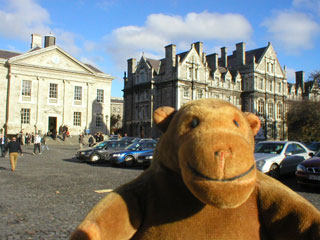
260, 164
149, 157
117, 155
301, 168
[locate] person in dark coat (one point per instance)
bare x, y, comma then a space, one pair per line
3, 144
14, 149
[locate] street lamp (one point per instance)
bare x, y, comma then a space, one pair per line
21, 117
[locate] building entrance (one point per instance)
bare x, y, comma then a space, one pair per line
52, 124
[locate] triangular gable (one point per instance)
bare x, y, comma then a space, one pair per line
269, 53
51, 57
192, 52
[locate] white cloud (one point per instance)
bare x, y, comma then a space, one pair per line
311, 5
20, 18
160, 30
293, 30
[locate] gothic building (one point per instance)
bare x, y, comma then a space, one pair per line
252, 80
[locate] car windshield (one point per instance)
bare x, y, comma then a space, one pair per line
145, 145
274, 148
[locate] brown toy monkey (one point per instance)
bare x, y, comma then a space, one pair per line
203, 184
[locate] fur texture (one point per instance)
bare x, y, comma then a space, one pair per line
203, 184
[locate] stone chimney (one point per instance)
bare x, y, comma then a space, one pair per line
36, 40
215, 60
170, 58
132, 62
241, 53
49, 40
300, 80
199, 48
224, 56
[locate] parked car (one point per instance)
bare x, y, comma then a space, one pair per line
145, 159
129, 139
314, 146
99, 152
85, 152
308, 171
277, 158
130, 154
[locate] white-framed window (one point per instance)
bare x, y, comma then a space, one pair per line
261, 83
196, 73
76, 118
26, 88
228, 83
99, 120
100, 95
279, 87
78, 93
270, 85
53, 90
25, 115
186, 92
270, 109
200, 93
189, 73
216, 79
260, 107
279, 110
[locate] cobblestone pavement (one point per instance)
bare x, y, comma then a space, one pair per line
49, 194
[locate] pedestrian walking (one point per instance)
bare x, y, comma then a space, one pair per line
44, 142
37, 144
14, 149
81, 142
3, 144
91, 140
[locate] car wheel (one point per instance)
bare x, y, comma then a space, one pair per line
129, 161
274, 171
94, 158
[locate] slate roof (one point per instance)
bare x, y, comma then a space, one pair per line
155, 64
93, 68
8, 54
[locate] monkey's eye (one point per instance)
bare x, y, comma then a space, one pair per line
194, 123
236, 123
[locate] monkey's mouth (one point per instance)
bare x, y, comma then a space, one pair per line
194, 171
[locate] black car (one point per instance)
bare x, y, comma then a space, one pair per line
145, 159
308, 171
99, 152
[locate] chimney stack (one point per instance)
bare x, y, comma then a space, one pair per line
49, 40
215, 60
224, 56
300, 79
36, 40
241, 53
199, 48
170, 58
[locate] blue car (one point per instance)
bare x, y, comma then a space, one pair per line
129, 156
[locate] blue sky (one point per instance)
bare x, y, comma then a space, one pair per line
106, 33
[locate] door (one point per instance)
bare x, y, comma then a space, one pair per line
52, 123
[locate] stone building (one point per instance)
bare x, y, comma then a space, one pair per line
46, 88
252, 80
117, 111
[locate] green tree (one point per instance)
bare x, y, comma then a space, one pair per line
114, 122
303, 121
315, 76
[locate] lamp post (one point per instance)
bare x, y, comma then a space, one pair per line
21, 117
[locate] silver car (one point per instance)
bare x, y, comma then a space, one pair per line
280, 157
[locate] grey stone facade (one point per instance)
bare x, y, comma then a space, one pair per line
252, 80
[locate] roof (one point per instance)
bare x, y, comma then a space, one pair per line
8, 54
93, 68
155, 64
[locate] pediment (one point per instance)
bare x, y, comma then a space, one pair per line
52, 110
53, 58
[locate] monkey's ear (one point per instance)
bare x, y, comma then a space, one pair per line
254, 122
162, 117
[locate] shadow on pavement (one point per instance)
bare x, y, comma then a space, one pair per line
290, 181
73, 160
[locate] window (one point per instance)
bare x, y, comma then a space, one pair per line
217, 81
189, 73
260, 107
200, 94
279, 87
100, 95
196, 73
53, 91
77, 119
279, 110
270, 85
26, 88
99, 120
78, 93
270, 109
186, 93
25, 115
261, 83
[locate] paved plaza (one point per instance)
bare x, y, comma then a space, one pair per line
49, 194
